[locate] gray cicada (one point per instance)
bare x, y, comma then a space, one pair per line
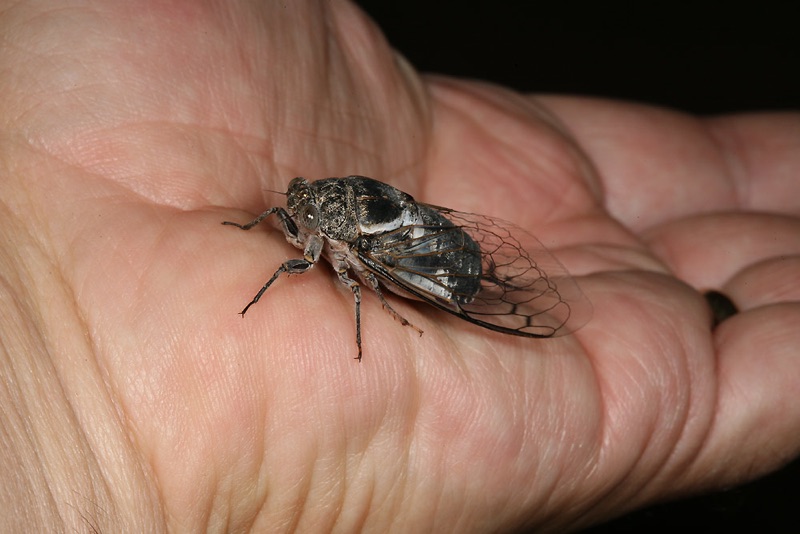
481, 269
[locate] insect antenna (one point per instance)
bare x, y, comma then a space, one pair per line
284, 193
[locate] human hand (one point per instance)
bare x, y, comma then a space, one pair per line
135, 398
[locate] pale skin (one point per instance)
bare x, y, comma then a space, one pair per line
135, 398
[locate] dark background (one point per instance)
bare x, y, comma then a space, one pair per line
698, 58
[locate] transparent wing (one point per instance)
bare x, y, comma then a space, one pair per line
519, 289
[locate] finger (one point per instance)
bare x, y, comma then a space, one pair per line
757, 426
658, 165
767, 282
655, 165
761, 151
707, 250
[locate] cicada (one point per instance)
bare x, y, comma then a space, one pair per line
481, 269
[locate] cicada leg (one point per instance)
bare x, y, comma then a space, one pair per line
373, 281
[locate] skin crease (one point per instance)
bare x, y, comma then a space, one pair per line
134, 398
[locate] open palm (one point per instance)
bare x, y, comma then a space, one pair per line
132, 130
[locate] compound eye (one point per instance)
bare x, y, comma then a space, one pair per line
309, 216
297, 182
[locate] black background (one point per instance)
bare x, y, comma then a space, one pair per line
700, 58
